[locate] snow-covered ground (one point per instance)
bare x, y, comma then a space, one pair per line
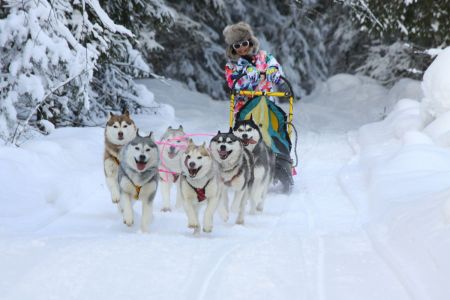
367, 218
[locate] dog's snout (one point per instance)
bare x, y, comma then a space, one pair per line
192, 164
245, 136
142, 157
172, 148
120, 134
223, 147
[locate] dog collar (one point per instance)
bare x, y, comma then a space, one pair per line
228, 183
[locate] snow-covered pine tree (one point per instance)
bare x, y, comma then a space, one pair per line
44, 67
401, 32
52, 50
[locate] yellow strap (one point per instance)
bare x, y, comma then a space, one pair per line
138, 190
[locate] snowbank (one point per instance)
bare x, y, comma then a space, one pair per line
436, 85
354, 100
399, 182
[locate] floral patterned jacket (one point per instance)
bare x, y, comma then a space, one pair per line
261, 60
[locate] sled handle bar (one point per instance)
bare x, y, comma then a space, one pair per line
290, 94
261, 93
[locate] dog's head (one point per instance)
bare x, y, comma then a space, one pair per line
226, 147
196, 161
248, 132
141, 153
174, 142
120, 129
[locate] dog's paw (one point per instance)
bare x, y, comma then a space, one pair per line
193, 226
166, 209
207, 229
240, 221
115, 200
128, 221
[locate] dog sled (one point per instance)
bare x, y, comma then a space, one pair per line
275, 126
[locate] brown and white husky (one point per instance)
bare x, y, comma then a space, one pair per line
119, 130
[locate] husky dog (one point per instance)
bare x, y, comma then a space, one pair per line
172, 145
138, 178
263, 161
235, 169
199, 182
119, 130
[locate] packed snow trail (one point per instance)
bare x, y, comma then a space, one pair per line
308, 245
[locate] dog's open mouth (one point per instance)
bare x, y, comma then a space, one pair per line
223, 154
140, 164
249, 141
194, 172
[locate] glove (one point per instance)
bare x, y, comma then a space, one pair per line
273, 75
252, 73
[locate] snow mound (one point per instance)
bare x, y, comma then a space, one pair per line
436, 85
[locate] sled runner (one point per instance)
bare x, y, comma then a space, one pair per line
275, 126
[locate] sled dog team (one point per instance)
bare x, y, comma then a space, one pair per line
236, 161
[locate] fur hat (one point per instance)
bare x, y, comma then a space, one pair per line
237, 33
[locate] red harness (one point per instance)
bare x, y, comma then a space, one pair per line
201, 192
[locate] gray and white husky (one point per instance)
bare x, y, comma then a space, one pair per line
173, 144
263, 161
235, 165
199, 183
119, 130
138, 178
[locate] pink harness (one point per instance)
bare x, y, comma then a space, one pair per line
182, 146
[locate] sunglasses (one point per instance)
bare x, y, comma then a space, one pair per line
241, 44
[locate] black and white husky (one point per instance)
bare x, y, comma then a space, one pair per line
199, 184
173, 144
263, 161
138, 178
235, 165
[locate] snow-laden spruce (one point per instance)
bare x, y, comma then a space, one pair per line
64, 63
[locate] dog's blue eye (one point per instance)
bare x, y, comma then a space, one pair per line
125, 126
137, 148
147, 150
249, 130
240, 130
199, 157
115, 126
188, 157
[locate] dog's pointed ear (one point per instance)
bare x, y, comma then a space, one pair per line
126, 112
110, 115
218, 132
231, 130
150, 135
204, 150
180, 127
170, 127
137, 133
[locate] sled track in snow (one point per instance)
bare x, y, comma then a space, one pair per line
225, 254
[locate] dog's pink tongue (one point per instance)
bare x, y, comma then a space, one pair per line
140, 166
251, 141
